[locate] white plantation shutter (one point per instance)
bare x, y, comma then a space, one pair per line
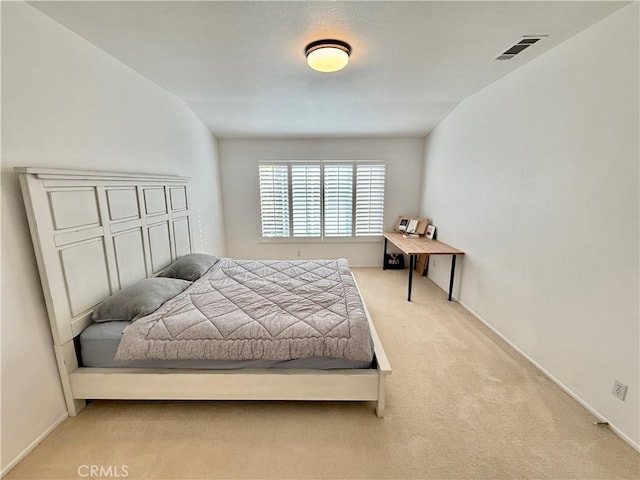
274, 200
338, 200
306, 200
322, 199
369, 199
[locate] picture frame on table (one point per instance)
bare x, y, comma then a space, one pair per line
431, 232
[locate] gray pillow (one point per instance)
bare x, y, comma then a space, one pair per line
190, 267
139, 299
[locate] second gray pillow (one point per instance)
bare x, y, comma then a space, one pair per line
190, 267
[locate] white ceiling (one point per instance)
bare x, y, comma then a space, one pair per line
240, 65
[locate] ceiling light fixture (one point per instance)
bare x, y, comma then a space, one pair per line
328, 55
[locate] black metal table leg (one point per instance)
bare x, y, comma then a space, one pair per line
384, 255
453, 269
412, 260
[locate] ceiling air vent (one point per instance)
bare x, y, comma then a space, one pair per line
515, 49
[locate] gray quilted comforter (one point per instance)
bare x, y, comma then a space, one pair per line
252, 309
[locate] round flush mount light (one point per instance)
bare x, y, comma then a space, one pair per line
328, 55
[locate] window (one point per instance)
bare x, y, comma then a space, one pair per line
321, 199
369, 199
274, 200
338, 200
306, 199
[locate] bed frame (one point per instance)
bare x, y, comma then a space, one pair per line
97, 232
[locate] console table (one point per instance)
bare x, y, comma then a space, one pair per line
418, 246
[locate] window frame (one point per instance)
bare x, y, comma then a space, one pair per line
322, 238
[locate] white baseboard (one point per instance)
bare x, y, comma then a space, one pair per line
33, 445
590, 409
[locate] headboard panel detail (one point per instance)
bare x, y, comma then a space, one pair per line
95, 233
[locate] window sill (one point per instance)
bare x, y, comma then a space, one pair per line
376, 239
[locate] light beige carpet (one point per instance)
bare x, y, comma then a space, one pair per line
461, 405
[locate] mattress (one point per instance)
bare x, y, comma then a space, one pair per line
99, 343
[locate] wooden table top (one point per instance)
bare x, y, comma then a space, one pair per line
420, 245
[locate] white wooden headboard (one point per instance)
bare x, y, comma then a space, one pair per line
97, 232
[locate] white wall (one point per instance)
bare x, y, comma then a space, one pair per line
67, 104
536, 178
240, 190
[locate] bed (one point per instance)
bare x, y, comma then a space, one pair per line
98, 233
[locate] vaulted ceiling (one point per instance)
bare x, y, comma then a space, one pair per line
240, 65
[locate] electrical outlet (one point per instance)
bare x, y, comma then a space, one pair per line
619, 389
299, 253
433, 262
